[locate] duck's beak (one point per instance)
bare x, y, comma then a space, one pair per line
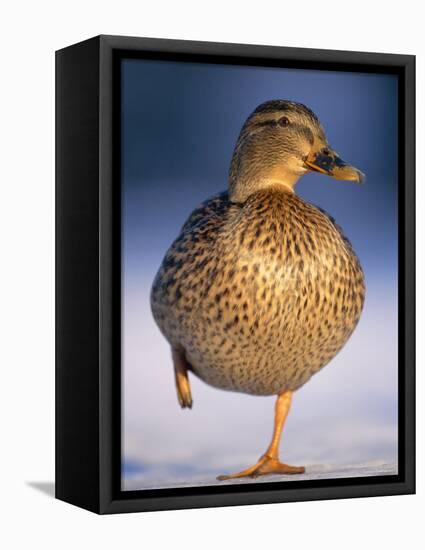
326, 161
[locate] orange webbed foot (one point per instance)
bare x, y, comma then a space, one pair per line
184, 394
181, 365
265, 466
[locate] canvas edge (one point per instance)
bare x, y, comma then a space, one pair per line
77, 283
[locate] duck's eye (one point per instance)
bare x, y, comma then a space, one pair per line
283, 121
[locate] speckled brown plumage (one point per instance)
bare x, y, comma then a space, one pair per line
261, 289
259, 295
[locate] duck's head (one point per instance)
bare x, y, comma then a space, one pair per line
279, 142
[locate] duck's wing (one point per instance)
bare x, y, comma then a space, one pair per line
199, 236
194, 249
211, 214
341, 233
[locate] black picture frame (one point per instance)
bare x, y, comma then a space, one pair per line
88, 275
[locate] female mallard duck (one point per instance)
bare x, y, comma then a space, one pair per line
261, 289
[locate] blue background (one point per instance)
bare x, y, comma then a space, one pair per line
180, 123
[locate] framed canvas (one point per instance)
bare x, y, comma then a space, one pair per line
218, 263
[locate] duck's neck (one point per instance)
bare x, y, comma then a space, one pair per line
242, 187
258, 170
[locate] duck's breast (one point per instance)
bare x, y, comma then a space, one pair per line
260, 295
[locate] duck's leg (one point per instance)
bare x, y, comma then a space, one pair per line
269, 463
181, 367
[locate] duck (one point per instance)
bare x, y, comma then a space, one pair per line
261, 289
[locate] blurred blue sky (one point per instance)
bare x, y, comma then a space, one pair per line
180, 123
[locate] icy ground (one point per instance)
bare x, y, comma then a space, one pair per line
156, 478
